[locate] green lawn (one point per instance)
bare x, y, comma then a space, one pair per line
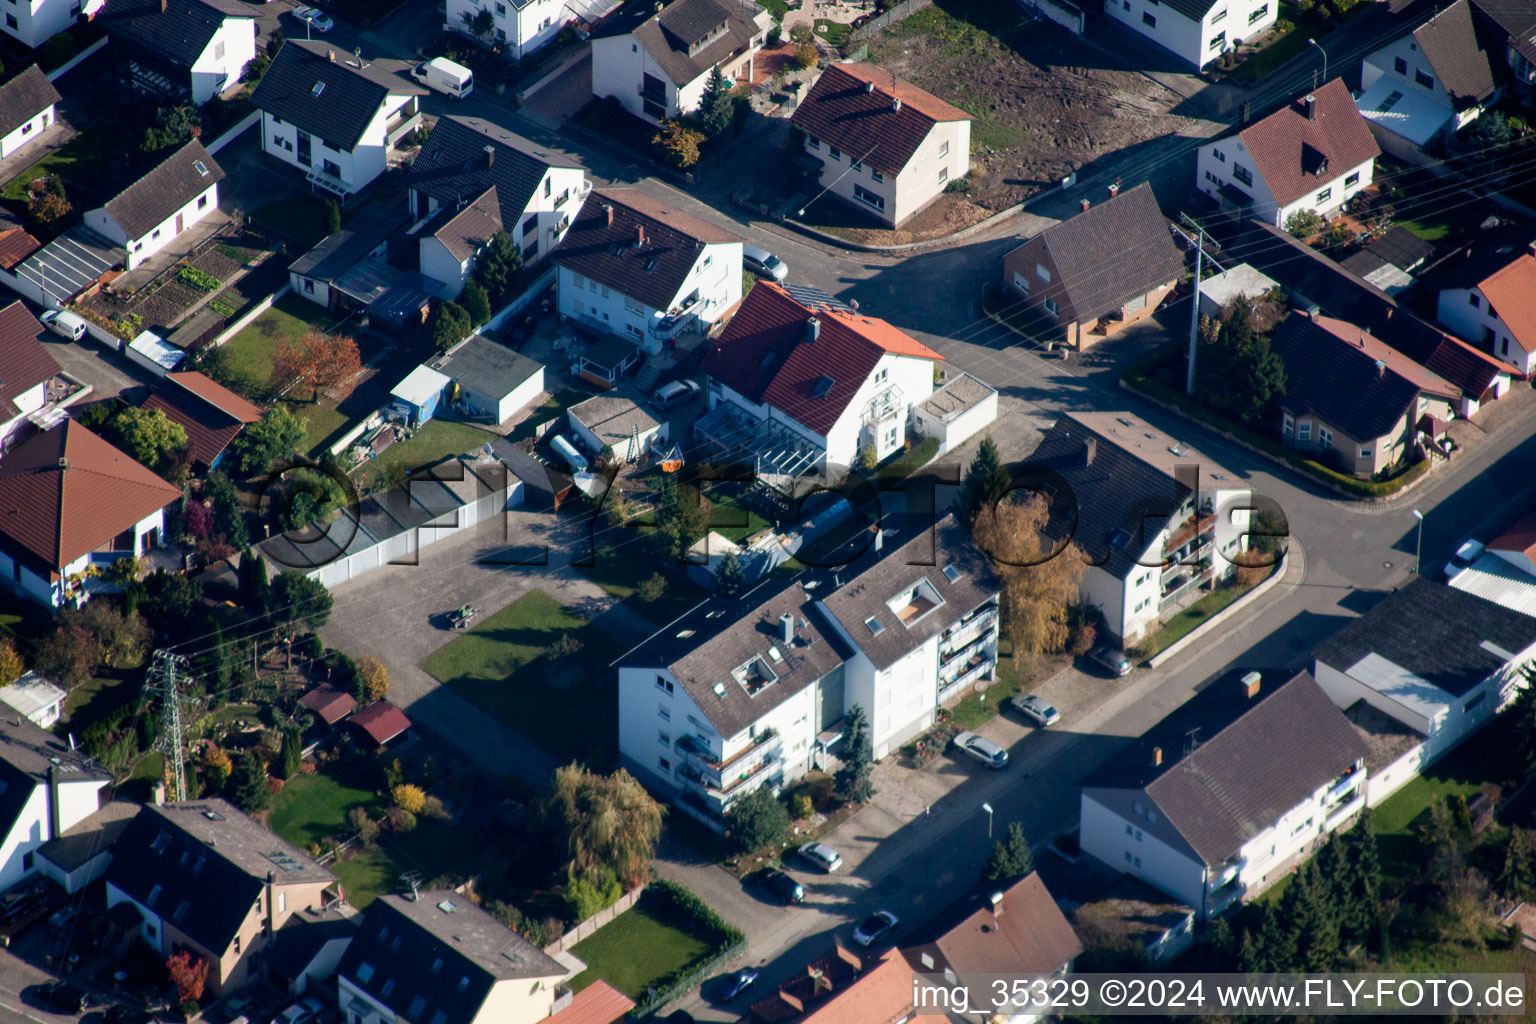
634, 950
366, 877
1463, 771
777, 8
82, 158
434, 441
727, 509
1189, 618
499, 667
312, 807
619, 566
245, 361
833, 32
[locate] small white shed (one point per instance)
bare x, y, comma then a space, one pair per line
1219, 290
955, 412
493, 382
613, 421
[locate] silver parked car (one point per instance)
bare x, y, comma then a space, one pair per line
1035, 709
1112, 661
763, 263
823, 856
979, 748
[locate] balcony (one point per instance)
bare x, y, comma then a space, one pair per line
1203, 524
1343, 784
964, 632
724, 776
1343, 812
1185, 586
961, 652
886, 405
403, 123
970, 672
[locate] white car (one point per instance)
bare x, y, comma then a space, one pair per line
1469, 552
823, 856
874, 928
316, 18
675, 393
65, 323
982, 750
302, 1012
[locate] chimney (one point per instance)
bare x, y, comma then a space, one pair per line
1085, 205
996, 899
1381, 368
787, 628
271, 925
1250, 684
1309, 107
1531, 248
330, 55
1157, 757
869, 86
639, 236
490, 156
812, 330
608, 213
63, 462
54, 827
1090, 449
896, 105
162, 6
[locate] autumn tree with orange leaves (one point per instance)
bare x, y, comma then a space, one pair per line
1039, 577
189, 974
316, 359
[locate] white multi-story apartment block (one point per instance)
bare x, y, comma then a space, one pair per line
1199, 31
1224, 795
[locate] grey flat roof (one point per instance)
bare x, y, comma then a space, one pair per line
963, 393
480, 364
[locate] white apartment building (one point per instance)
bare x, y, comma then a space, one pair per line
1199, 31
1229, 791
1159, 521
147, 215
884, 145
519, 27
474, 178
1313, 154
798, 379
636, 267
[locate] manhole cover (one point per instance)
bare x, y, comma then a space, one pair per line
1386, 565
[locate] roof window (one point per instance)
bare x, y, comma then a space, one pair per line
915, 602
822, 386
364, 971
201, 168
876, 627
951, 573
318, 89
161, 842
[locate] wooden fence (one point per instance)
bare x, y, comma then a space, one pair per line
593, 923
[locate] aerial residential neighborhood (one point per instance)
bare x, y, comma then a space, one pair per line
761, 511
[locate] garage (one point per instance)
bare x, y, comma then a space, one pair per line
490, 381
956, 412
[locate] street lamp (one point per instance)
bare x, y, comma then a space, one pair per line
1418, 544
1314, 42
988, 809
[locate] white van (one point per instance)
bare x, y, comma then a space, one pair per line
62, 321
445, 76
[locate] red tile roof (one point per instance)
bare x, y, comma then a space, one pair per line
883, 996
868, 124
210, 413
1296, 154
24, 363
67, 492
331, 703
1024, 933
1419, 376
1520, 537
820, 981
381, 721
764, 354
15, 246
1512, 292
598, 1003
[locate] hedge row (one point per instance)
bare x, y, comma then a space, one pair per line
690, 911
1138, 379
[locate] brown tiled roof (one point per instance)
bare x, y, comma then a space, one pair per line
211, 414
67, 492
24, 97
598, 1003
1512, 292
15, 246
1296, 154
1463, 366
882, 996
764, 354
24, 363
1517, 20
1102, 257
1459, 55
867, 123
1024, 933
654, 272
153, 198
469, 230
331, 703
821, 980
382, 721
1520, 537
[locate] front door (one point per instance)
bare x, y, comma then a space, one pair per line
181, 223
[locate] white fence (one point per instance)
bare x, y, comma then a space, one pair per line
522, 302
245, 321
905, 9
234, 131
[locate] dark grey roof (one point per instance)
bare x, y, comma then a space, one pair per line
1402, 248
1516, 19
24, 97
542, 483
1089, 252
1115, 505
154, 198
454, 166
442, 950
340, 252
302, 938
87, 839
484, 366
705, 649
202, 865
349, 94
179, 32
465, 231
922, 558
1253, 760
1195, 10
1330, 378
673, 37
1459, 55
1437, 632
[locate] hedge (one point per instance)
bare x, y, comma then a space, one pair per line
1137, 378
690, 911
910, 461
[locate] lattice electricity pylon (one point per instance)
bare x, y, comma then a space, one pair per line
164, 678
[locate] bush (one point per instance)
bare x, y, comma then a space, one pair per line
59, 50
677, 145
401, 820
806, 55
1304, 224
366, 828
409, 798
586, 896
758, 820
800, 806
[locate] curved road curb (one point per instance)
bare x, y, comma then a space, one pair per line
931, 243
1293, 548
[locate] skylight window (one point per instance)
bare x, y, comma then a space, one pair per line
154, 894
364, 971
318, 89
951, 573
161, 842
876, 627
822, 386
200, 167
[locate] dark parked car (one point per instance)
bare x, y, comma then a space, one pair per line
735, 983
16, 905
59, 997
781, 885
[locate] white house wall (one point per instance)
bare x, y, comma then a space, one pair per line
1338, 193
310, 288
1103, 835
942, 157
441, 265
158, 237
960, 429
356, 167
1199, 43
26, 132
38, 20
28, 402
716, 273
1481, 326
219, 66
619, 65
1215, 167
523, 32
1344, 690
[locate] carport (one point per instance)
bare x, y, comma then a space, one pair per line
69, 265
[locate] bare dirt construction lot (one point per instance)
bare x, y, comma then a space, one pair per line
1046, 104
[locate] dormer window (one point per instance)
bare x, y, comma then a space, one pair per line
916, 601
754, 675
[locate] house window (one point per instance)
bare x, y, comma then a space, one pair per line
943, 175
501, 11
1220, 16
876, 174
202, 202
662, 683
663, 738
634, 332
10, 21
1473, 300
1288, 425
1150, 22
666, 715
309, 287
1258, 15
1366, 453
1324, 435
664, 764
1051, 307
1303, 431
944, 148
1126, 4
1242, 175
857, 165
1421, 79
1212, 178
1021, 282
833, 153
1400, 66
1042, 273
639, 310
546, 188
531, 225
1325, 195
154, 234
331, 167
812, 142
1219, 40
1219, 155
1352, 180
864, 195
237, 944
1474, 702
532, 252
26, 128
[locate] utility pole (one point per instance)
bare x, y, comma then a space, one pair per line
1194, 310
164, 671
